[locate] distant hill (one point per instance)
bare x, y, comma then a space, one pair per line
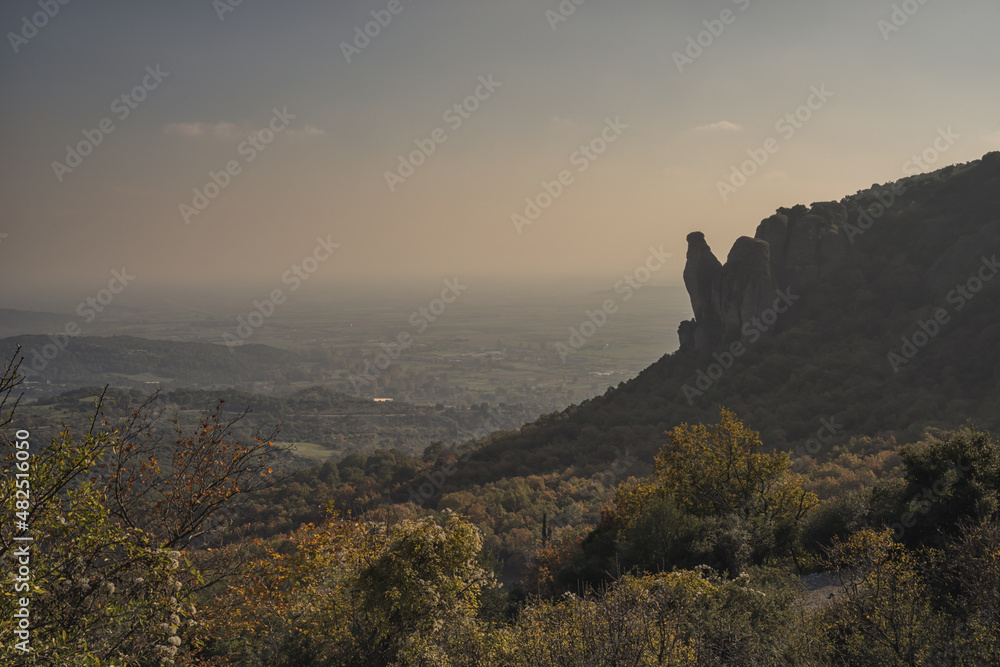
323, 424
877, 314
127, 361
14, 322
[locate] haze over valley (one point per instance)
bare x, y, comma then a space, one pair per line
471, 334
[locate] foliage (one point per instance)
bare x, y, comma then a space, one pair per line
358, 593
109, 582
715, 499
720, 470
950, 482
898, 606
690, 617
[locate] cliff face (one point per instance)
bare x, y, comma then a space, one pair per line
701, 273
792, 250
861, 294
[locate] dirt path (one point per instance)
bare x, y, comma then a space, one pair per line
821, 588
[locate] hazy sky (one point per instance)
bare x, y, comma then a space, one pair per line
672, 129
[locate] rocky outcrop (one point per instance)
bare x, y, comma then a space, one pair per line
805, 243
701, 274
746, 287
793, 249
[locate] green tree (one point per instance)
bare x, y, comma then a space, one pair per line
883, 614
949, 482
720, 470
359, 593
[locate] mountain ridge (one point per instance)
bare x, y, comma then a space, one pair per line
902, 250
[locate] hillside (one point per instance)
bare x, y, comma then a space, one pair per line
318, 424
132, 362
865, 275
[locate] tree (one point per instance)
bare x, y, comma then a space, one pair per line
883, 614
184, 500
113, 562
681, 618
96, 590
719, 470
359, 593
715, 499
949, 482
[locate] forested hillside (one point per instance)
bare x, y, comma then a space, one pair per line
810, 480
922, 261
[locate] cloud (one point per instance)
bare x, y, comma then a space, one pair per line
305, 131
224, 131
221, 130
721, 126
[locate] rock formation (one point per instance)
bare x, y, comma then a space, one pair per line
746, 287
793, 249
701, 273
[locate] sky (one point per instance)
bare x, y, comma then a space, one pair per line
209, 146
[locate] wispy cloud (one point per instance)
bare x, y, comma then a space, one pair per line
305, 131
222, 130
225, 131
721, 126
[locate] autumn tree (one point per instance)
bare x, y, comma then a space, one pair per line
114, 563
721, 470
183, 490
883, 613
716, 499
358, 593
681, 618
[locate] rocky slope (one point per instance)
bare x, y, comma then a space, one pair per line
790, 252
894, 328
